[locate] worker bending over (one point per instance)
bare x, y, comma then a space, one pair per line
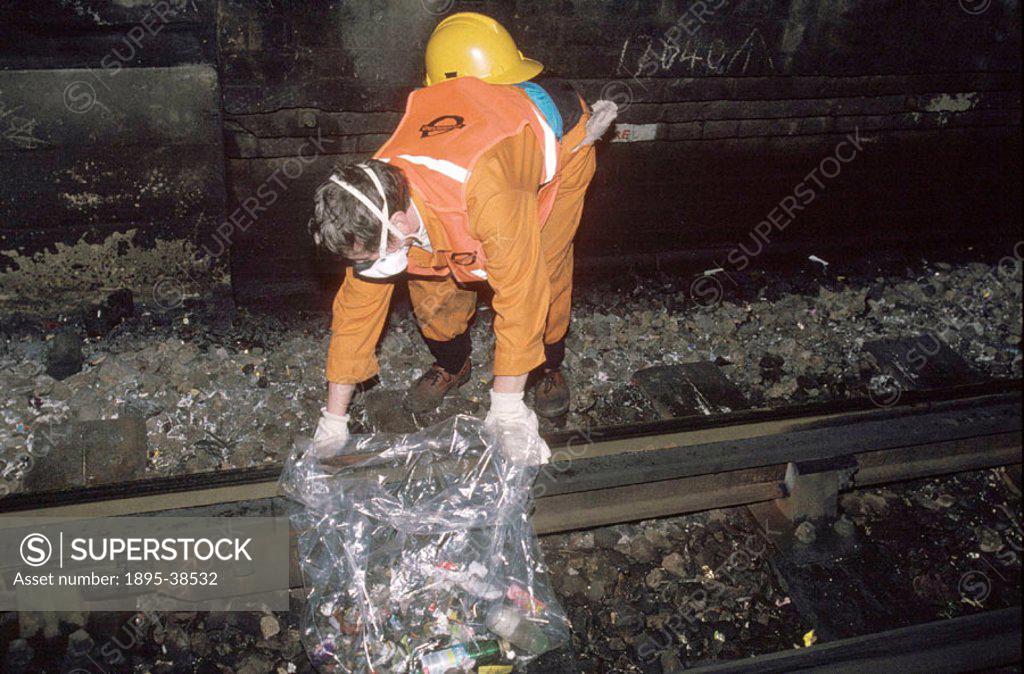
482, 182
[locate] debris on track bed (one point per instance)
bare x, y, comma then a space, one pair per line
939, 548
651, 597
221, 388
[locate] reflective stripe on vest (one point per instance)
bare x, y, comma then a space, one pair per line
442, 166
550, 148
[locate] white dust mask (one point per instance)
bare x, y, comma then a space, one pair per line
391, 264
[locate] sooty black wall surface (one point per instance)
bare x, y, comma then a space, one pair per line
782, 124
111, 121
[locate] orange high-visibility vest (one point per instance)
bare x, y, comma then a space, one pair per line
446, 128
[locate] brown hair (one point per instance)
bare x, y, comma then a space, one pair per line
341, 223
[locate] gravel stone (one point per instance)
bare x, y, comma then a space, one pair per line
674, 564
80, 644
64, 355
269, 626
806, 533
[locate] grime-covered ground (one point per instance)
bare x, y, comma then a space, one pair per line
651, 597
219, 387
663, 595
657, 595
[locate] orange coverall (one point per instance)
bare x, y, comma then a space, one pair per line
529, 265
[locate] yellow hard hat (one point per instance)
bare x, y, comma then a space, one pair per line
474, 44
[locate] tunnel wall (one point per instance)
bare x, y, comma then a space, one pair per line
111, 121
729, 111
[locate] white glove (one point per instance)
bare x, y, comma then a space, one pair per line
517, 428
331, 434
602, 114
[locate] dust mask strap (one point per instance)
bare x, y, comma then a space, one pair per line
382, 215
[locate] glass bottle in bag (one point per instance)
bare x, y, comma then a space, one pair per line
439, 662
511, 625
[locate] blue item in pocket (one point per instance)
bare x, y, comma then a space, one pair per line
545, 104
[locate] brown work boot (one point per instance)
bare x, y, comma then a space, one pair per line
430, 389
551, 394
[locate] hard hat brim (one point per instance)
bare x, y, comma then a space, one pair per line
525, 70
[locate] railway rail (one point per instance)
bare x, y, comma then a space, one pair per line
790, 463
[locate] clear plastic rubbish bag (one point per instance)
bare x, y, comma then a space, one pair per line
419, 555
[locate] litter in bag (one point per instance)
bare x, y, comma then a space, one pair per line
418, 553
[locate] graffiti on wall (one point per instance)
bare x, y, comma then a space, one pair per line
700, 54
